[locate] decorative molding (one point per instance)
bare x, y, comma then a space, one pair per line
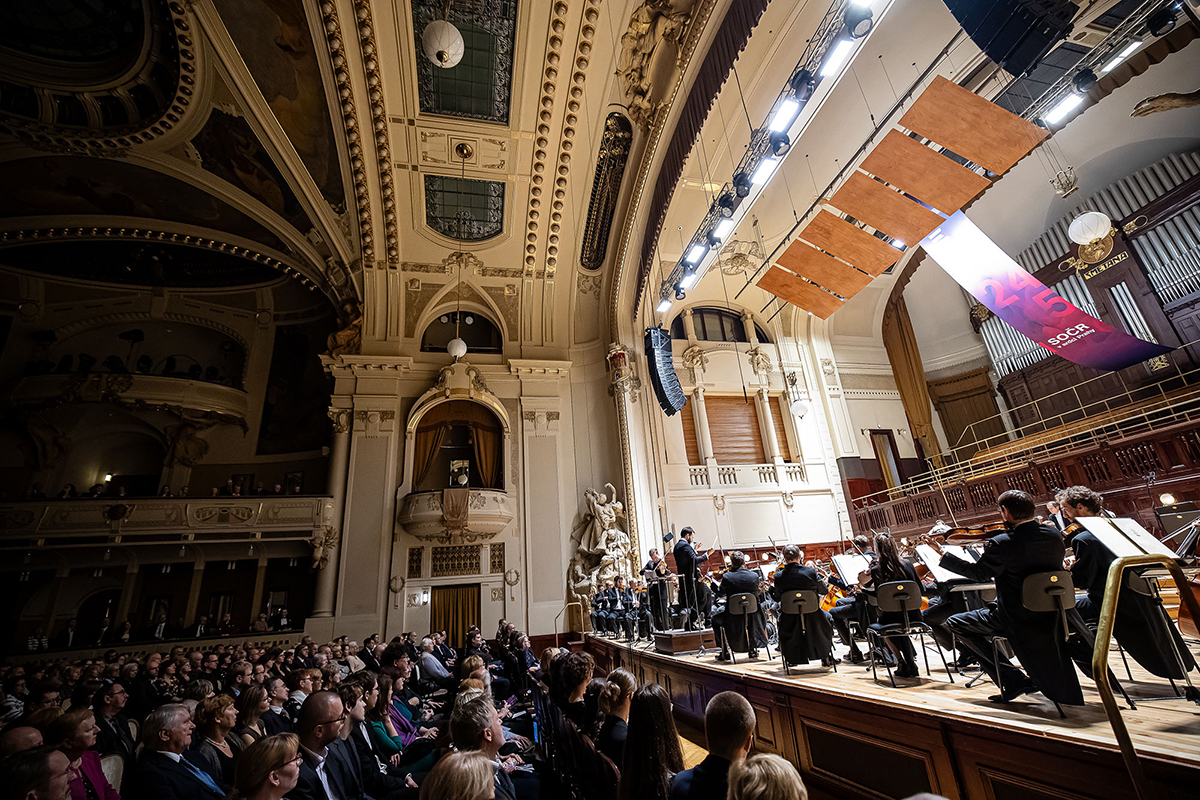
760, 360
379, 126
606, 188
497, 594
541, 142
341, 420
695, 356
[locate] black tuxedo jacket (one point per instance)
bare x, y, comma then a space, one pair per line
158, 777
342, 770
687, 562
115, 737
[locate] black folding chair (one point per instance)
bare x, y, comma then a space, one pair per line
903, 597
743, 605
800, 602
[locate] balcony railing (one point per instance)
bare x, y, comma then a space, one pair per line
488, 513
157, 520
132, 387
744, 476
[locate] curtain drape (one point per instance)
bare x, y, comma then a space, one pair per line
905, 358
425, 447
454, 609
486, 441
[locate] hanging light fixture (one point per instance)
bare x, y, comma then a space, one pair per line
442, 42
457, 348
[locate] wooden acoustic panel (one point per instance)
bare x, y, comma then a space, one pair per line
885, 209
798, 292
923, 172
972, 127
809, 262
850, 243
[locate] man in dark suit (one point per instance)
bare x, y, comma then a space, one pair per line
159, 630
621, 608
281, 621
729, 725
68, 636
1141, 627
687, 564
329, 768
162, 773
600, 611
201, 628
114, 737
1055, 516
816, 642
375, 775
475, 725
1026, 549
733, 630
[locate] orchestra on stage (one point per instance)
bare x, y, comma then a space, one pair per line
1028, 587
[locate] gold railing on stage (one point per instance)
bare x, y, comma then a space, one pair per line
1100, 672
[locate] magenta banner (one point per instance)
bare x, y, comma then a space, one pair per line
1027, 304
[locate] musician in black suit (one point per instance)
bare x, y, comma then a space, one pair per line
816, 642
1026, 549
735, 630
162, 773
324, 753
1140, 626
657, 590
600, 611
853, 608
687, 564
621, 608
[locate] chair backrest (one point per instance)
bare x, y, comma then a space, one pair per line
113, 767
1136, 582
1048, 591
135, 730
987, 595
899, 596
741, 604
800, 601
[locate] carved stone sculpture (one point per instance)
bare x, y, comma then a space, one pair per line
602, 548
348, 341
1166, 102
649, 48
322, 542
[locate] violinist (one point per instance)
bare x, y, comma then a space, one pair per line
658, 590
750, 629
853, 608
1025, 549
1140, 625
687, 562
816, 642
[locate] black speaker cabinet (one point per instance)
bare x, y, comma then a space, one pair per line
662, 371
1016, 34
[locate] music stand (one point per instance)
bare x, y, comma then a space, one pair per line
1180, 520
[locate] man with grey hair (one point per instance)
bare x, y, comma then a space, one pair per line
162, 771
475, 725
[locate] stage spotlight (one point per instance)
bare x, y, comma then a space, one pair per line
1084, 80
721, 232
780, 143
1162, 22
728, 203
741, 184
679, 293
803, 85
1166, 499
858, 21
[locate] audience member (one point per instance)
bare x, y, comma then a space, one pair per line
74, 733
327, 768
214, 747
729, 725
615, 699
115, 736
19, 739
42, 773
653, 755
162, 771
269, 768
463, 776
475, 726
765, 776
575, 674
276, 720
252, 707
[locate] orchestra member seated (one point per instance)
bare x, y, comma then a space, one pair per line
600, 612
621, 608
816, 642
736, 630
1027, 548
889, 567
852, 609
1140, 626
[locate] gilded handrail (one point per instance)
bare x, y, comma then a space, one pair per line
563, 611
1100, 673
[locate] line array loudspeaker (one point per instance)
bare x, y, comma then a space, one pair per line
662, 371
1016, 34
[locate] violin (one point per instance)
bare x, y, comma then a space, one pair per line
1070, 531
976, 534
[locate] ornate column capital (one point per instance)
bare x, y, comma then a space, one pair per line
624, 381
341, 419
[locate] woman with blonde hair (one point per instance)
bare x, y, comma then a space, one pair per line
461, 775
269, 768
214, 747
765, 777
74, 733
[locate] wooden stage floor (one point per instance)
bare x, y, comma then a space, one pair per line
1163, 731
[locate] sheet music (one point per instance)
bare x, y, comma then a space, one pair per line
931, 559
1139, 539
1110, 536
849, 565
961, 552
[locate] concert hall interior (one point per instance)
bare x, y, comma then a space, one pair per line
864, 413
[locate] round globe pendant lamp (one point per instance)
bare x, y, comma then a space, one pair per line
443, 43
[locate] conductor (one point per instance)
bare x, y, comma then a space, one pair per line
688, 562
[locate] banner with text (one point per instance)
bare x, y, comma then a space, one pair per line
1028, 305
